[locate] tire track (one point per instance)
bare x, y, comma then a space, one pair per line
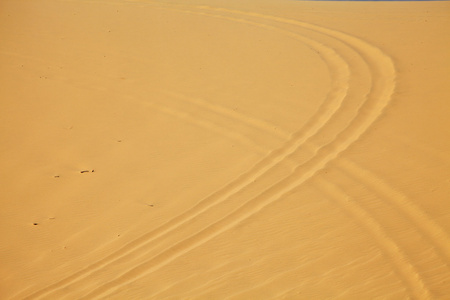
326, 156
389, 246
327, 110
424, 254
426, 226
403, 266
259, 124
241, 213
195, 110
203, 123
437, 243
429, 229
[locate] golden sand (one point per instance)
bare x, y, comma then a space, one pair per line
212, 149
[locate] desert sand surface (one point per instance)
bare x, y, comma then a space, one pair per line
212, 149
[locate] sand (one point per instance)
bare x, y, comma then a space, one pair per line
212, 149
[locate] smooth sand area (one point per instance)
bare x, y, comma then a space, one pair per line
212, 149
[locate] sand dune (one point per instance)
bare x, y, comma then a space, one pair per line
225, 150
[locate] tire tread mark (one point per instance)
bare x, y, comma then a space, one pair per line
327, 110
430, 229
341, 148
387, 84
406, 270
234, 115
203, 123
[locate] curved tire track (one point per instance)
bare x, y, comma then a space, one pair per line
337, 95
266, 197
434, 233
403, 266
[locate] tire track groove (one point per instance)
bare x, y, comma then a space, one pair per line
403, 266
255, 204
327, 110
271, 194
428, 228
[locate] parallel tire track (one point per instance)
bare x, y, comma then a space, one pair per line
258, 124
299, 176
264, 199
403, 266
428, 228
327, 110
